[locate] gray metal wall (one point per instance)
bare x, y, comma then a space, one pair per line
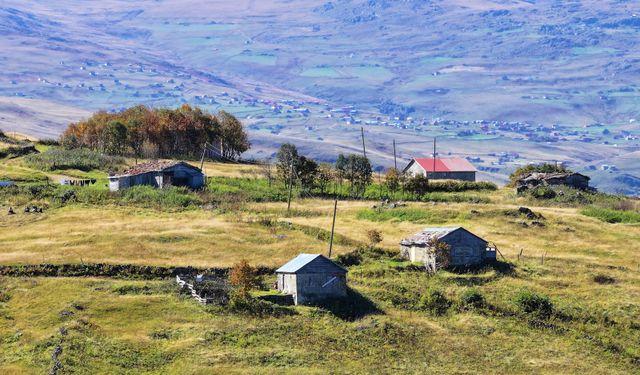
310, 287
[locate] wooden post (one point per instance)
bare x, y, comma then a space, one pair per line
333, 225
290, 188
204, 149
395, 162
364, 150
520, 255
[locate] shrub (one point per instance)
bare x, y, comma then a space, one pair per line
534, 304
259, 308
472, 298
148, 196
542, 192
434, 302
243, 277
374, 236
49, 142
612, 216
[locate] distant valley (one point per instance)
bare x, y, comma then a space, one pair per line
501, 82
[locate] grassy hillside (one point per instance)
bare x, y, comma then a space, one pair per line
563, 299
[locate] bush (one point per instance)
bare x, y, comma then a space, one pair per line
374, 237
258, 308
434, 302
534, 304
82, 159
542, 192
612, 216
148, 196
472, 298
243, 277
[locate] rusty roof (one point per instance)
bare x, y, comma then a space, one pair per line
156, 166
428, 234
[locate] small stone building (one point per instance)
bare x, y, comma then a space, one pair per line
442, 169
466, 248
533, 180
159, 175
312, 278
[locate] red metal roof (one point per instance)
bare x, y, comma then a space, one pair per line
446, 165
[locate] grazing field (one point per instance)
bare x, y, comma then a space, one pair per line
562, 298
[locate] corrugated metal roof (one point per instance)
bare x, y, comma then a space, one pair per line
298, 263
426, 235
155, 167
446, 165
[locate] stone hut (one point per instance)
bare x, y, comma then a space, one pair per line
466, 248
159, 175
534, 180
442, 169
311, 278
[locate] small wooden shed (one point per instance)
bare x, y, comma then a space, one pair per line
466, 247
159, 174
312, 278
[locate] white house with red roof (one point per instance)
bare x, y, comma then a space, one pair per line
454, 168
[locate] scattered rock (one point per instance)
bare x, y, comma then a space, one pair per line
11, 212
537, 223
529, 213
66, 313
524, 224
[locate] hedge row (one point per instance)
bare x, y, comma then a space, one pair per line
126, 271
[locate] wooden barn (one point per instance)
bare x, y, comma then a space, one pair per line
312, 278
466, 248
159, 175
442, 169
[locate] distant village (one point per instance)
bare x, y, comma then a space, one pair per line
132, 80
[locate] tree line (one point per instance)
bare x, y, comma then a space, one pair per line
141, 131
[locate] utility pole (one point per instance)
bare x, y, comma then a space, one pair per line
434, 155
395, 163
333, 225
364, 150
290, 187
204, 149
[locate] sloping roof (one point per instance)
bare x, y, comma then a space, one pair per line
302, 261
546, 176
426, 235
445, 164
156, 167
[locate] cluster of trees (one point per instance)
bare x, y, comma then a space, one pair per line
141, 131
294, 168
